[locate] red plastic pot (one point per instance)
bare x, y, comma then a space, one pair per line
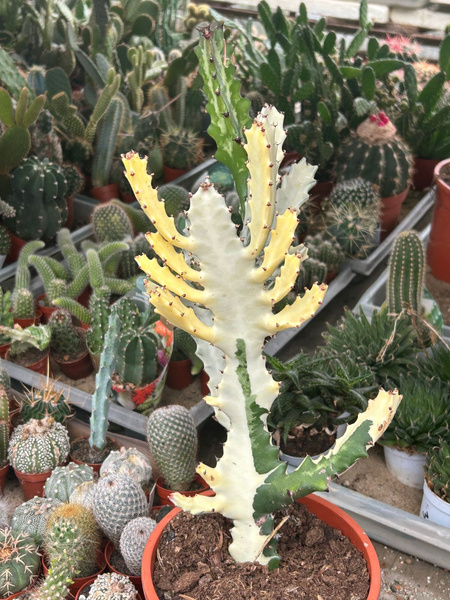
3, 475
164, 493
32, 484
323, 509
127, 198
28, 322
78, 368
40, 366
136, 580
46, 311
391, 208
4, 349
172, 174
80, 582
16, 246
105, 193
179, 374
423, 173
95, 466
438, 250
70, 213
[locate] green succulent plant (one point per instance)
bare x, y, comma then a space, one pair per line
437, 472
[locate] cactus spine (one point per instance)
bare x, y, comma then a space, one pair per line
66, 341
438, 471
46, 402
181, 148
4, 426
133, 541
406, 277
19, 562
64, 480
31, 517
172, 438
38, 446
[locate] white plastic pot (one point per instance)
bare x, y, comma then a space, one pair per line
434, 508
295, 461
407, 468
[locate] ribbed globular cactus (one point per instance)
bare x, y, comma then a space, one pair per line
4, 426
437, 472
184, 346
232, 287
38, 446
181, 148
38, 195
38, 403
312, 271
172, 438
118, 499
111, 586
31, 517
352, 227
111, 223
128, 461
137, 356
133, 541
377, 154
19, 562
66, 341
84, 494
406, 279
64, 480
358, 190
175, 197
326, 251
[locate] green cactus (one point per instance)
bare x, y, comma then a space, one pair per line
137, 356
36, 80
38, 195
325, 251
19, 562
30, 518
181, 148
406, 279
6, 316
377, 154
111, 223
141, 223
158, 100
437, 473
5, 241
184, 346
107, 131
133, 540
146, 127
256, 103
4, 426
45, 142
357, 190
423, 418
221, 177
112, 586
66, 342
74, 179
38, 403
22, 297
64, 480
130, 462
35, 336
10, 75
140, 60
172, 438
175, 198
118, 500
312, 271
15, 142
38, 446
5, 380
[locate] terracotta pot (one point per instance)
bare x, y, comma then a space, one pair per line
127, 198
40, 366
323, 509
4, 349
84, 590
105, 193
70, 213
80, 582
136, 580
172, 174
85, 296
16, 246
95, 466
28, 322
317, 195
84, 326
46, 311
423, 173
390, 212
78, 368
290, 158
164, 492
179, 374
438, 250
204, 378
32, 484
3, 475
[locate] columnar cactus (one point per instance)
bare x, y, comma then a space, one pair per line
19, 562
406, 279
22, 297
137, 356
377, 154
172, 438
133, 541
118, 499
31, 517
249, 481
64, 480
128, 461
4, 426
111, 586
38, 446
66, 341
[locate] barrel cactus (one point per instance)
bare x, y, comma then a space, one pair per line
377, 154
137, 356
38, 195
128, 461
38, 403
181, 148
31, 517
19, 562
111, 586
133, 541
118, 499
172, 438
111, 223
38, 446
64, 480
175, 197
358, 190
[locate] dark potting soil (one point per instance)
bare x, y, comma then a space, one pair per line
303, 441
318, 562
81, 450
31, 356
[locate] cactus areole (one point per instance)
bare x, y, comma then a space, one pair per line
229, 280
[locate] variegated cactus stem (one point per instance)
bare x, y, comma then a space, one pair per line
231, 273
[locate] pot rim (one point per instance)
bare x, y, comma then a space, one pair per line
437, 176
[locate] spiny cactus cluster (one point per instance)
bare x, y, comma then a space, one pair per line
118, 499
326, 251
38, 403
38, 446
172, 438
311, 271
377, 154
66, 342
362, 192
438, 471
19, 562
181, 148
137, 356
130, 462
197, 13
4, 426
64, 480
31, 517
111, 586
133, 541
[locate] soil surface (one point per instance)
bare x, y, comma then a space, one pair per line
301, 442
317, 562
29, 357
440, 290
80, 450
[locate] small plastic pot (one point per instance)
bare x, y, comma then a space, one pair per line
136, 580
171, 174
407, 468
3, 475
76, 369
4, 350
16, 246
105, 193
46, 311
40, 366
434, 508
32, 484
438, 249
164, 493
28, 322
127, 198
179, 374
391, 208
